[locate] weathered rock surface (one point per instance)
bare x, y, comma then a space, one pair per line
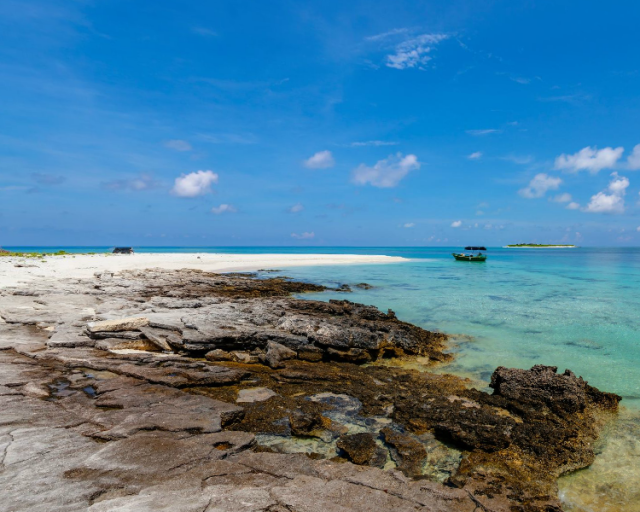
107, 404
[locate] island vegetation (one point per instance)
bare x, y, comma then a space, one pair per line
33, 254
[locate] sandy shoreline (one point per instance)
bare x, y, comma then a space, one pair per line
17, 271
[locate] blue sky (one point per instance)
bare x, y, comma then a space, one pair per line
319, 123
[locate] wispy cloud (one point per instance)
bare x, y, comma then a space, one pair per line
373, 143
296, 208
385, 173
409, 225
539, 185
561, 198
178, 145
590, 159
194, 184
229, 138
303, 236
475, 156
320, 160
223, 208
138, 184
414, 52
486, 131
388, 34
203, 31
574, 99
518, 159
46, 179
456, 224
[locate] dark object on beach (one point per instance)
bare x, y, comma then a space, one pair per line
3, 251
474, 248
123, 250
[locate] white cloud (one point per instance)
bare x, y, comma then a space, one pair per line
479, 133
590, 159
612, 199
539, 186
303, 236
178, 145
475, 156
385, 173
561, 198
223, 208
321, 160
638, 228
633, 161
194, 184
296, 208
409, 224
414, 52
456, 224
573, 206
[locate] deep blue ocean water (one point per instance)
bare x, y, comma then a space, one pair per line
572, 308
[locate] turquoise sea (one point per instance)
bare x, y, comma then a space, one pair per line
572, 308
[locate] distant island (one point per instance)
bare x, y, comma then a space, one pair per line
539, 246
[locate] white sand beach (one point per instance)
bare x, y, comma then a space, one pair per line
15, 271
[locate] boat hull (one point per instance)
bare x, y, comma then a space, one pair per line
468, 257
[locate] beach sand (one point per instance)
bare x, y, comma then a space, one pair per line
15, 271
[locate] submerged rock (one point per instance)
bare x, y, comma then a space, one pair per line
362, 449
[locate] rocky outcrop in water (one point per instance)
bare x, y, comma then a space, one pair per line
182, 390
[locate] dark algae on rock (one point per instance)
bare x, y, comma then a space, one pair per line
189, 389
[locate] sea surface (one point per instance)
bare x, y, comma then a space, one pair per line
571, 308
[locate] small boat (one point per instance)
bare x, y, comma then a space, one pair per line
478, 256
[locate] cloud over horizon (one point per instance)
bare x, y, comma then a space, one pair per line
303, 236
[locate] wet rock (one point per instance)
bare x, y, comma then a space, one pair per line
305, 424
407, 452
122, 324
362, 449
277, 354
563, 393
310, 353
254, 395
353, 355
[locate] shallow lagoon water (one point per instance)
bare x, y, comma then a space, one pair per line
571, 308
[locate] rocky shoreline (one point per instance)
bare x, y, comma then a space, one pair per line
185, 390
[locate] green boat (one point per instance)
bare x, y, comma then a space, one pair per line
470, 256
